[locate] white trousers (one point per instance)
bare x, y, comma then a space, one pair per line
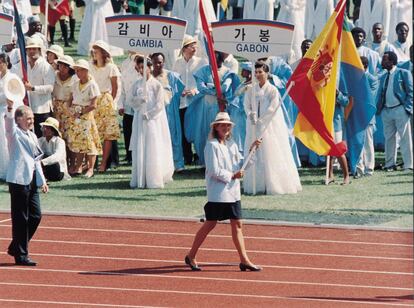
366, 162
397, 120
159, 10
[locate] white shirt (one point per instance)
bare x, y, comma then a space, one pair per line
222, 161
63, 89
55, 150
103, 75
42, 77
82, 97
185, 70
390, 99
402, 50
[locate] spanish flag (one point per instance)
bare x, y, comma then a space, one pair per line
314, 89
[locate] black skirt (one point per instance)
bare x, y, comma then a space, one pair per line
223, 210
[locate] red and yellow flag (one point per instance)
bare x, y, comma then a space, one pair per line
314, 89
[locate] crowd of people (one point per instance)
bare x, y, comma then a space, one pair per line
170, 110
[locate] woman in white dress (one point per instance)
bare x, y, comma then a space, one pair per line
152, 157
5, 65
274, 170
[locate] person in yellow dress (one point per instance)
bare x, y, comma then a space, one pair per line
62, 90
106, 75
83, 137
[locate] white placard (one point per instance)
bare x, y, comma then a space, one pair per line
6, 28
145, 33
253, 38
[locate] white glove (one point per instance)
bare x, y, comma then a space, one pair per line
253, 118
210, 85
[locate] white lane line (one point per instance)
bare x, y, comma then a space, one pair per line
158, 276
8, 219
254, 296
12, 300
179, 262
219, 249
223, 236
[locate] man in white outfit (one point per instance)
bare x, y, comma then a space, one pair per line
317, 13
257, 9
401, 10
372, 11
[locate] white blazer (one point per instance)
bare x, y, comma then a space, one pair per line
22, 163
264, 9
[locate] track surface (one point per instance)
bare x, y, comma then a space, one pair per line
119, 262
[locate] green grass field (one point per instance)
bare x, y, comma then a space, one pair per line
385, 199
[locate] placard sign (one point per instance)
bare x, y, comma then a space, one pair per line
253, 38
6, 28
145, 33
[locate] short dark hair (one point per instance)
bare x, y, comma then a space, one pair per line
357, 30
305, 42
392, 56
5, 59
156, 54
401, 24
262, 65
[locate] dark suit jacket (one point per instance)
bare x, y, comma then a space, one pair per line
153, 4
403, 90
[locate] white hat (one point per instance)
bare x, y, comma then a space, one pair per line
56, 49
52, 122
81, 63
14, 89
222, 117
246, 66
66, 60
103, 45
188, 39
34, 42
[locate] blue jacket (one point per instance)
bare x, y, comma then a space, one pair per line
403, 90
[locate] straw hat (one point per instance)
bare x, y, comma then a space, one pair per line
66, 60
56, 49
14, 89
53, 123
81, 63
222, 117
34, 42
103, 45
188, 39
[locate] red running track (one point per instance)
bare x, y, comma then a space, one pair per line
120, 262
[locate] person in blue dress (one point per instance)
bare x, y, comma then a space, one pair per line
204, 107
235, 107
173, 87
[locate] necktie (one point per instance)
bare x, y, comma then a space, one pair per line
255, 2
185, 2
384, 91
372, 4
315, 4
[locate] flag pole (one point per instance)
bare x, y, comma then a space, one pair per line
328, 162
254, 148
46, 19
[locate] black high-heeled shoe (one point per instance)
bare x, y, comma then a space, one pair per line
193, 267
243, 267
